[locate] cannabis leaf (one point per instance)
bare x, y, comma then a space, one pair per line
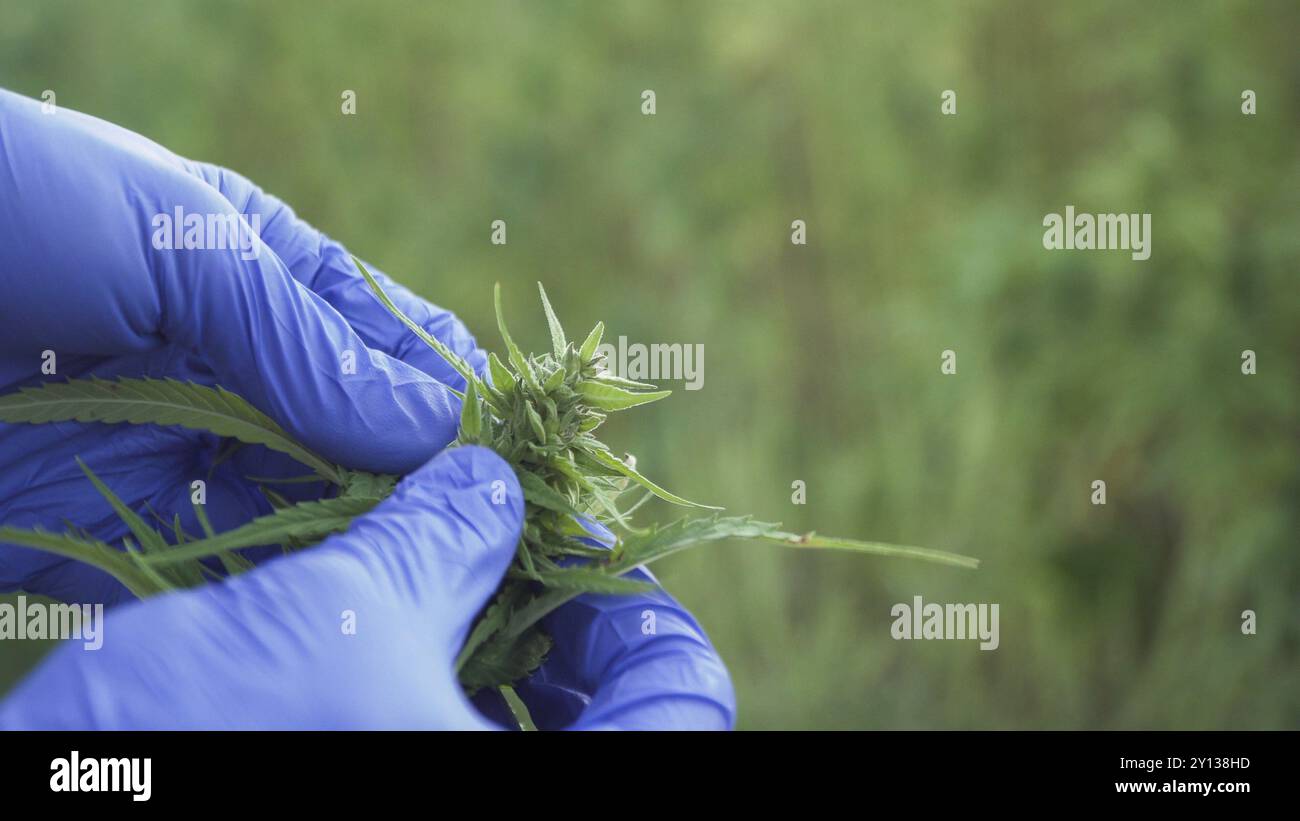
537, 412
660, 541
305, 522
506, 660
159, 402
123, 566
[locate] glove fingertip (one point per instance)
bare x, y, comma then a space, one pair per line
484, 487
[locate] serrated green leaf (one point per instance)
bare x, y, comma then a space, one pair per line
554, 381
541, 494
158, 402
608, 460
662, 540
526, 559
564, 464
619, 382
609, 397
365, 485
656, 542
150, 540
306, 521
567, 475
161, 580
607, 502
92, 552
232, 562
812, 540
503, 659
535, 422
583, 579
494, 618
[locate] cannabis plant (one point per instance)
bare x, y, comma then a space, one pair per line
540, 413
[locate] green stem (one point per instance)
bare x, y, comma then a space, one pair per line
517, 708
97, 554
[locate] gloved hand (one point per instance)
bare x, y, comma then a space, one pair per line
360, 631
81, 278
83, 281
625, 662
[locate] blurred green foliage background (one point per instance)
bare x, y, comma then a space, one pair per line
822, 361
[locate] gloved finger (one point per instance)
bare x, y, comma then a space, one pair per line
283, 348
98, 281
411, 576
452, 489
325, 267
443, 540
641, 661
601, 536
231, 503
418, 568
551, 701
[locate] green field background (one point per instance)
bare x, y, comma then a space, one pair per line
822, 361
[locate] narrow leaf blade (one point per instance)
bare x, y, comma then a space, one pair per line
609, 397
608, 460
158, 402
462, 367
515, 355
592, 342
558, 341
305, 521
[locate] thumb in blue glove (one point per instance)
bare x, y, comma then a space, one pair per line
82, 279
276, 648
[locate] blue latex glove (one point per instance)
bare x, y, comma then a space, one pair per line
81, 277
607, 672
275, 648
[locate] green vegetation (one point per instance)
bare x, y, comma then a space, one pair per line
537, 412
924, 235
